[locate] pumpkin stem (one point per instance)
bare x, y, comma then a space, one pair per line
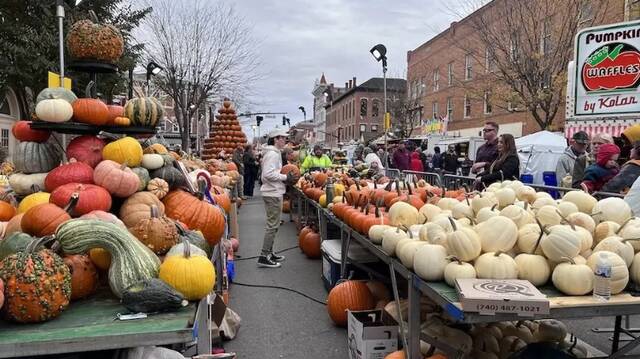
631, 239
567, 259
543, 229
154, 211
624, 224
473, 221
408, 188
187, 247
494, 207
202, 188
498, 253
35, 188
535, 248
453, 223
565, 219
454, 259
89, 88
73, 201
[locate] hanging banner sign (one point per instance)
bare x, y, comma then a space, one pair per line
607, 70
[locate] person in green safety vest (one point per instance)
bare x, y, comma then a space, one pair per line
316, 161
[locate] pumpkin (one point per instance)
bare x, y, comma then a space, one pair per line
90, 198
548, 216
561, 241
138, 207
118, 179
14, 243
582, 220
303, 232
550, 330
487, 212
43, 219
84, 276
114, 111
22, 132
178, 250
156, 232
126, 150
131, 261
348, 295
403, 214
618, 246
193, 276
311, 245
463, 243
533, 267
143, 176
56, 93
122, 121
619, 270
54, 110
25, 184
33, 200
101, 258
96, 42
584, 201
37, 285
566, 209
221, 198
90, 111
158, 187
390, 239
430, 261
529, 237
86, 149
505, 197
573, 279
433, 234
457, 269
152, 161
611, 209
197, 214
496, 266
172, 175
195, 238
502, 240
34, 157
14, 225
156, 148
143, 111
7, 211
1, 293
152, 296
290, 168
72, 172
407, 252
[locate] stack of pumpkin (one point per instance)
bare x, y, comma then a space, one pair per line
223, 173
309, 242
226, 134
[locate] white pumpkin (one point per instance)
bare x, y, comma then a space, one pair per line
428, 211
533, 267
529, 238
583, 220
526, 194
485, 199
376, 231
407, 252
26, 184
509, 345
519, 330
634, 270
573, 279
518, 215
514, 185
605, 229
561, 241
567, 208
458, 269
619, 269
585, 237
462, 210
414, 230
463, 243
505, 196
403, 214
548, 216
611, 209
496, 266
152, 161
54, 110
618, 246
582, 200
543, 201
497, 234
485, 213
390, 239
433, 234
429, 262
445, 221
631, 230
447, 203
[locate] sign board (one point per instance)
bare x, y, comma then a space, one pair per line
606, 76
490, 296
54, 80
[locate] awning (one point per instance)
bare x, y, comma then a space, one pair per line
592, 127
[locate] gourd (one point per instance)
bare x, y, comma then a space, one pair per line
348, 295
611, 209
37, 285
33, 200
121, 121
172, 175
34, 157
496, 266
71, 172
86, 149
144, 111
158, 187
561, 241
14, 243
178, 250
193, 276
22, 132
143, 176
457, 269
403, 214
24, 184
619, 270
84, 276
54, 110
463, 243
407, 253
497, 234
390, 239
118, 179
430, 261
573, 279
618, 246
156, 232
138, 206
152, 295
376, 231
90, 198
43, 219
131, 261
115, 111
56, 93
156, 148
126, 150
584, 201
152, 161
14, 225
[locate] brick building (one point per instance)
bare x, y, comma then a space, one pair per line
451, 75
357, 113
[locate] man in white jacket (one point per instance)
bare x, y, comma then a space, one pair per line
273, 187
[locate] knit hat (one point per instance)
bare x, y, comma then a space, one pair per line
632, 133
606, 152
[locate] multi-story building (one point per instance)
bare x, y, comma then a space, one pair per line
319, 112
452, 74
357, 113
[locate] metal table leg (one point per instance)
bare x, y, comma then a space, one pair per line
396, 298
616, 334
414, 320
344, 255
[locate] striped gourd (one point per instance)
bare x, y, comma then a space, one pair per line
131, 261
143, 111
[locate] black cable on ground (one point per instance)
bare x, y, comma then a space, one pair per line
278, 287
238, 258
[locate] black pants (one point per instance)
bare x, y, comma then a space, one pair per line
249, 183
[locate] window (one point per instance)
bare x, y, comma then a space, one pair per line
416, 89
489, 64
363, 128
363, 107
422, 86
449, 108
174, 127
434, 107
545, 46
467, 107
436, 80
375, 108
450, 73
374, 128
4, 138
468, 67
4, 107
487, 103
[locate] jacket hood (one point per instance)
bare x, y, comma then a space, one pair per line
606, 152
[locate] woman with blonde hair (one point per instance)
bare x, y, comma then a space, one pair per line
507, 166
584, 161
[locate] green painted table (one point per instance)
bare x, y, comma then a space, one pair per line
90, 325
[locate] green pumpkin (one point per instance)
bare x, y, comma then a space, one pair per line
34, 157
195, 238
56, 93
143, 111
151, 296
16, 242
143, 174
172, 175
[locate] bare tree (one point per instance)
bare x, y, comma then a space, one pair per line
406, 113
207, 52
523, 49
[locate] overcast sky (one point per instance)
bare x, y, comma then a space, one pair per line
301, 39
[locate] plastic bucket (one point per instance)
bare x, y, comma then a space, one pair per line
526, 178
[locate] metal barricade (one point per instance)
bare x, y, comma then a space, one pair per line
555, 192
454, 182
392, 173
431, 177
602, 195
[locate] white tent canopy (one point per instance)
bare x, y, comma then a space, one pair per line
539, 152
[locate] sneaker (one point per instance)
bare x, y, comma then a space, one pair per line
267, 262
276, 258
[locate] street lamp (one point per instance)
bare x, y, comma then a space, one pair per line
304, 113
152, 69
60, 15
379, 53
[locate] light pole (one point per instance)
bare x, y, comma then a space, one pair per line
152, 69
379, 53
60, 16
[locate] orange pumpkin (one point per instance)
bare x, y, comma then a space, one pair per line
290, 168
311, 245
349, 295
101, 258
303, 232
90, 111
122, 121
115, 111
43, 219
221, 198
84, 277
286, 206
320, 178
230, 165
7, 211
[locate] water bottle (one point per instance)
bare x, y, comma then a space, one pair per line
602, 277
329, 191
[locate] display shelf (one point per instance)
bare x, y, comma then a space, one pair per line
93, 67
76, 128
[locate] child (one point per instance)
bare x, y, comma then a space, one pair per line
605, 168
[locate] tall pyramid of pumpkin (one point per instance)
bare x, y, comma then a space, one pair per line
226, 133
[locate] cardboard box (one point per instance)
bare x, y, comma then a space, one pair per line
490, 296
373, 334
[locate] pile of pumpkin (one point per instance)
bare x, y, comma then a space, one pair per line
226, 133
309, 242
71, 208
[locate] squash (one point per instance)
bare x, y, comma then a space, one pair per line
56, 93
463, 243
54, 110
116, 178
152, 161
126, 150
138, 206
619, 270
143, 111
493, 240
14, 243
156, 148
171, 175
100, 258
122, 121
84, 276
193, 276
152, 295
114, 112
156, 232
158, 187
7, 211
43, 219
143, 176
573, 279
25, 184
428, 211
611, 209
403, 214
518, 215
505, 197
104, 216
548, 216
131, 261
86, 149
430, 261
22, 132
567, 208
14, 225
533, 267
485, 213
178, 250
348, 295
90, 198
33, 200
496, 266
34, 157
71, 172
457, 269
584, 201
483, 200
529, 237
561, 241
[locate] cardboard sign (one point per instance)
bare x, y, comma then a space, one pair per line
607, 70
373, 334
490, 296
